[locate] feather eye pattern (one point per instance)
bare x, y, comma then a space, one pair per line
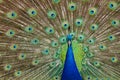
33, 42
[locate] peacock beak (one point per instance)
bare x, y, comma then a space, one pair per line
69, 43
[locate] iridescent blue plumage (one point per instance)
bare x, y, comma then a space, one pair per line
70, 71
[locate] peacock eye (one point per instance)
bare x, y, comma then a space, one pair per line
18, 73
12, 15
65, 25
102, 47
96, 63
85, 49
45, 51
93, 27
115, 23
114, 59
62, 40
14, 47
112, 5
92, 11
52, 64
29, 29
35, 41
10, 33
90, 54
7, 67
35, 62
54, 43
56, 56
52, 14
81, 37
32, 12
111, 37
91, 41
22, 56
49, 30
79, 22
72, 6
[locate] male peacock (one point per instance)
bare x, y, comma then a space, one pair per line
59, 39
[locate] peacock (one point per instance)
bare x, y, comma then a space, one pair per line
59, 39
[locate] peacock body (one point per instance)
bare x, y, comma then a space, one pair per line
59, 39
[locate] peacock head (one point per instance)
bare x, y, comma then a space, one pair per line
69, 39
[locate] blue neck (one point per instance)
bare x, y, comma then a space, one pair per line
70, 71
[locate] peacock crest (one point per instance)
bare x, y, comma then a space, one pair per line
33, 38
